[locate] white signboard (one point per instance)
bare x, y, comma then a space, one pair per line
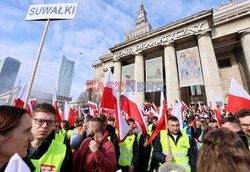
52, 11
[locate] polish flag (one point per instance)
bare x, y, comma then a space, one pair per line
104, 110
200, 107
33, 101
130, 106
163, 106
152, 113
142, 110
20, 100
184, 105
177, 100
54, 103
147, 104
217, 115
238, 98
210, 104
177, 113
110, 100
161, 125
92, 105
156, 108
61, 113
69, 114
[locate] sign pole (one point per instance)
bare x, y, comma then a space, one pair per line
36, 64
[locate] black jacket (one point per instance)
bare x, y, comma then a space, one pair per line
243, 138
114, 140
67, 164
160, 157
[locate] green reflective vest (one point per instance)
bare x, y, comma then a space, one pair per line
59, 138
126, 151
150, 129
138, 138
179, 151
37, 165
53, 158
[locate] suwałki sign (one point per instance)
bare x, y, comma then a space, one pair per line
63, 11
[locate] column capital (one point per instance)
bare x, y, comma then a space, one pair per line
116, 59
244, 32
171, 43
203, 33
138, 53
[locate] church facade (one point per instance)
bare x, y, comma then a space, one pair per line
193, 59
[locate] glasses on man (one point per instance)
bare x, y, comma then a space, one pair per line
42, 121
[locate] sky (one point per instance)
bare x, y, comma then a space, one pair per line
98, 26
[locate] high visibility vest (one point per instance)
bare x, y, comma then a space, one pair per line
37, 165
151, 156
59, 138
126, 151
150, 129
52, 160
179, 151
138, 138
68, 133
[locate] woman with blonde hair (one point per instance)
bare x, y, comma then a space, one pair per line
223, 151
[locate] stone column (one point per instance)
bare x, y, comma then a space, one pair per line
171, 73
117, 76
139, 78
245, 43
210, 69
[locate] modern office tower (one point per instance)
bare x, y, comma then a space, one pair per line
64, 77
9, 68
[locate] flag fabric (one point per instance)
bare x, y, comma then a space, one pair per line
238, 98
152, 113
33, 101
61, 113
110, 100
177, 113
163, 106
210, 104
69, 114
200, 107
147, 104
156, 108
184, 105
16, 164
217, 115
92, 108
130, 106
161, 125
54, 103
20, 100
177, 100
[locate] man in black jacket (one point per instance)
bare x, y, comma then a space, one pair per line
52, 151
233, 124
178, 138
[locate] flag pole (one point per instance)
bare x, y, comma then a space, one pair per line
166, 123
36, 63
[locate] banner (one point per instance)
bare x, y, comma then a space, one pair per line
154, 75
128, 77
189, 67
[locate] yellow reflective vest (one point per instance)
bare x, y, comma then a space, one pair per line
150, 129
126, 151
179, 151
52, 160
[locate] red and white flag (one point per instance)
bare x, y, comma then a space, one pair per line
217, 115
184, 105
130, 106
69, 114
110, 101
177, 113
92, 108
152, 113
161, 125
61, 113
200, 107
20, 100
163, 106
147, 104
177, 100
54, 103
156, 108
33, 101
238, 98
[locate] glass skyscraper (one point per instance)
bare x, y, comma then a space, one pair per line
9, 68
64, 77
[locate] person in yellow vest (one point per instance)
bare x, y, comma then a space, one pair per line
151, 127
52, 154
129, 151
182, 151
65, 129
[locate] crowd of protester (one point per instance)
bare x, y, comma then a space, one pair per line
204, 145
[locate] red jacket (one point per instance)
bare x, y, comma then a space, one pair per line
105, 158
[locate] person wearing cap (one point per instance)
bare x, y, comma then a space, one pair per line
212, 124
